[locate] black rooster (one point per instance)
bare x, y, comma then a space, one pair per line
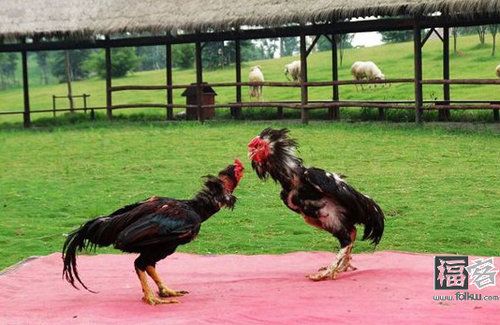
323, 199
153, 228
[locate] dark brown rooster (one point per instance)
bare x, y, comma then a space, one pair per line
323, 199
153, 228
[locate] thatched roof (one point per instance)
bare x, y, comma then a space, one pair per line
90, 17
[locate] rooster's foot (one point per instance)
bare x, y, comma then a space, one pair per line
166, 292
352, 268
327, 273
152, 300
341, 264
322, 275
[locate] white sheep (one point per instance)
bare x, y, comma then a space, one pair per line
366, 70
498, 71
293, 70
256, 75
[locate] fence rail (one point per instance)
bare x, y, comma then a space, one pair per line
427, 105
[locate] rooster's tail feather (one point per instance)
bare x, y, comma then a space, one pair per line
78, 240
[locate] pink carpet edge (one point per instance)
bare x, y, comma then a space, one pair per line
389, 287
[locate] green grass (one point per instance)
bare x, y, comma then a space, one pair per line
395, 60
438, 186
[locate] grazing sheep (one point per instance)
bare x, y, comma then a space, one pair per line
368, 70
498, 71
256, 75
293, 70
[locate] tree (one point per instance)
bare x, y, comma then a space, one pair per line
343, 41
288, 45
493, 31
123, 60
218, 54
151, 57
454, 32
42, 59
249, 51
183, 56
396, 36
268, 47
229, 51
481, 32
323, 44
8, 66
77, 59
467, 30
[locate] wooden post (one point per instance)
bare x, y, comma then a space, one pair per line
417, 48
279, 113
92, 112
445, 114
109, 93
26, 92
304, 114
53, 105
236, 112
67, 68
85, 103
334, 112
170, 97
199, 80
381, 113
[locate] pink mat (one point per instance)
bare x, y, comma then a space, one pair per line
388, 287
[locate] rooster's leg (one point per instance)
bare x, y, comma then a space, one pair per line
163, 290
341, 263
149, 296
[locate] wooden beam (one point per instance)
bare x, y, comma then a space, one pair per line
304, 114
237, 110
427, 36
309, 84
330, 39
417, 48
461, 82
288, 31
199, 80
109, 93
170, 96
311, 47
439, 35
26, 92
445, 114
334, 112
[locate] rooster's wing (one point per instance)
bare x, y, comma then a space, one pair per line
172, 225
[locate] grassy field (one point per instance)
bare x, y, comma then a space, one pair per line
395, 60
438, 186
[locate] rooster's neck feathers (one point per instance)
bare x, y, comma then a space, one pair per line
282, 163
211, 198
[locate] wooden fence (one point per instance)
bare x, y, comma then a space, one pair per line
382, 105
